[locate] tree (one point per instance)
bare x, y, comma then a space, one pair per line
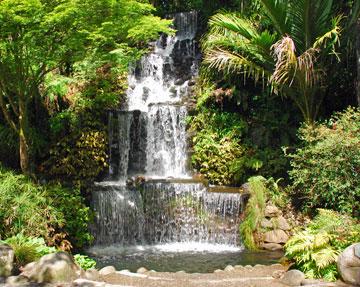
289, 58
42, 36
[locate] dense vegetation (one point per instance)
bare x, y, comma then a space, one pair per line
272, 100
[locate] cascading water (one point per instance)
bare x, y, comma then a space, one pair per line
148, 142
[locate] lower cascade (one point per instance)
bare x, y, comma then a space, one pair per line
148, 199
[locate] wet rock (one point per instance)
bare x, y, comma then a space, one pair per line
141, 270
229, 268
52, 268
266, 223
191, 82
92, 275
349, 264
107, 270
271, 246
293, 278
6, 260
272, 211
281, 223
17, 280
276, 236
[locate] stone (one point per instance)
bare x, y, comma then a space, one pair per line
92, 275
17, 280
52, 268
181, 272
141, 270
229, 268
271, 246
107, 270
278, 274
272, 211
6, 260
281, 223
349, 265
87, 283
218, 271
293, 278
307, 282
276, 236
266, 223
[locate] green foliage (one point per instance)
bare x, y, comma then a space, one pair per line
288, 56
52, 212
325, 171
217, 145
254, 212
84, 261
28, 249
315, 249
80, 156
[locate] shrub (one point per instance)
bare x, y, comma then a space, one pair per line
315, 249
28, 249
325, 171
254, 212
52, 212
84, 261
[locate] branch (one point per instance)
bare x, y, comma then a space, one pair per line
6, 113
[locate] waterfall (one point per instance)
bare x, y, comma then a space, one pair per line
147, 140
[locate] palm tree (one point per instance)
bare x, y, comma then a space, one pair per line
288, 59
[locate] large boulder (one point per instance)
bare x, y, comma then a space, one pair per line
272, 211
52, 268
276, 236
6, 260
349, 264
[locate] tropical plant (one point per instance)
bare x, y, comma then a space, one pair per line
325, 170
84, 261
315, 250
289, 59
254, 212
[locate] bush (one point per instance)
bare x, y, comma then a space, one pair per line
254, 212
325, 171
28, 249
315, 250
84, 261
52, 212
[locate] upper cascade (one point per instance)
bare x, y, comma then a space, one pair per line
148, 136
163, 75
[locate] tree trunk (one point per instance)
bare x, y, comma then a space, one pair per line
358, 60
23, 134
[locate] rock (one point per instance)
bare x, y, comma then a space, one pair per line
281, 223
107, 270
276, 236
17, 280
248, 266
278, 274
218, 271
349, 264
141, 270
293, 278
266, 223
191, 82
181, 272
87, 283
52, 268
92, 275
6, 260
307, 282
271, 246
229, 268
272, 211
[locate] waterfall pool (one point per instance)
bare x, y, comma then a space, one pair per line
192, 257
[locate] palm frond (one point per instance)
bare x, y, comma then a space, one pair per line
277, 12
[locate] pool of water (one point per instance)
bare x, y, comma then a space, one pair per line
172, 257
